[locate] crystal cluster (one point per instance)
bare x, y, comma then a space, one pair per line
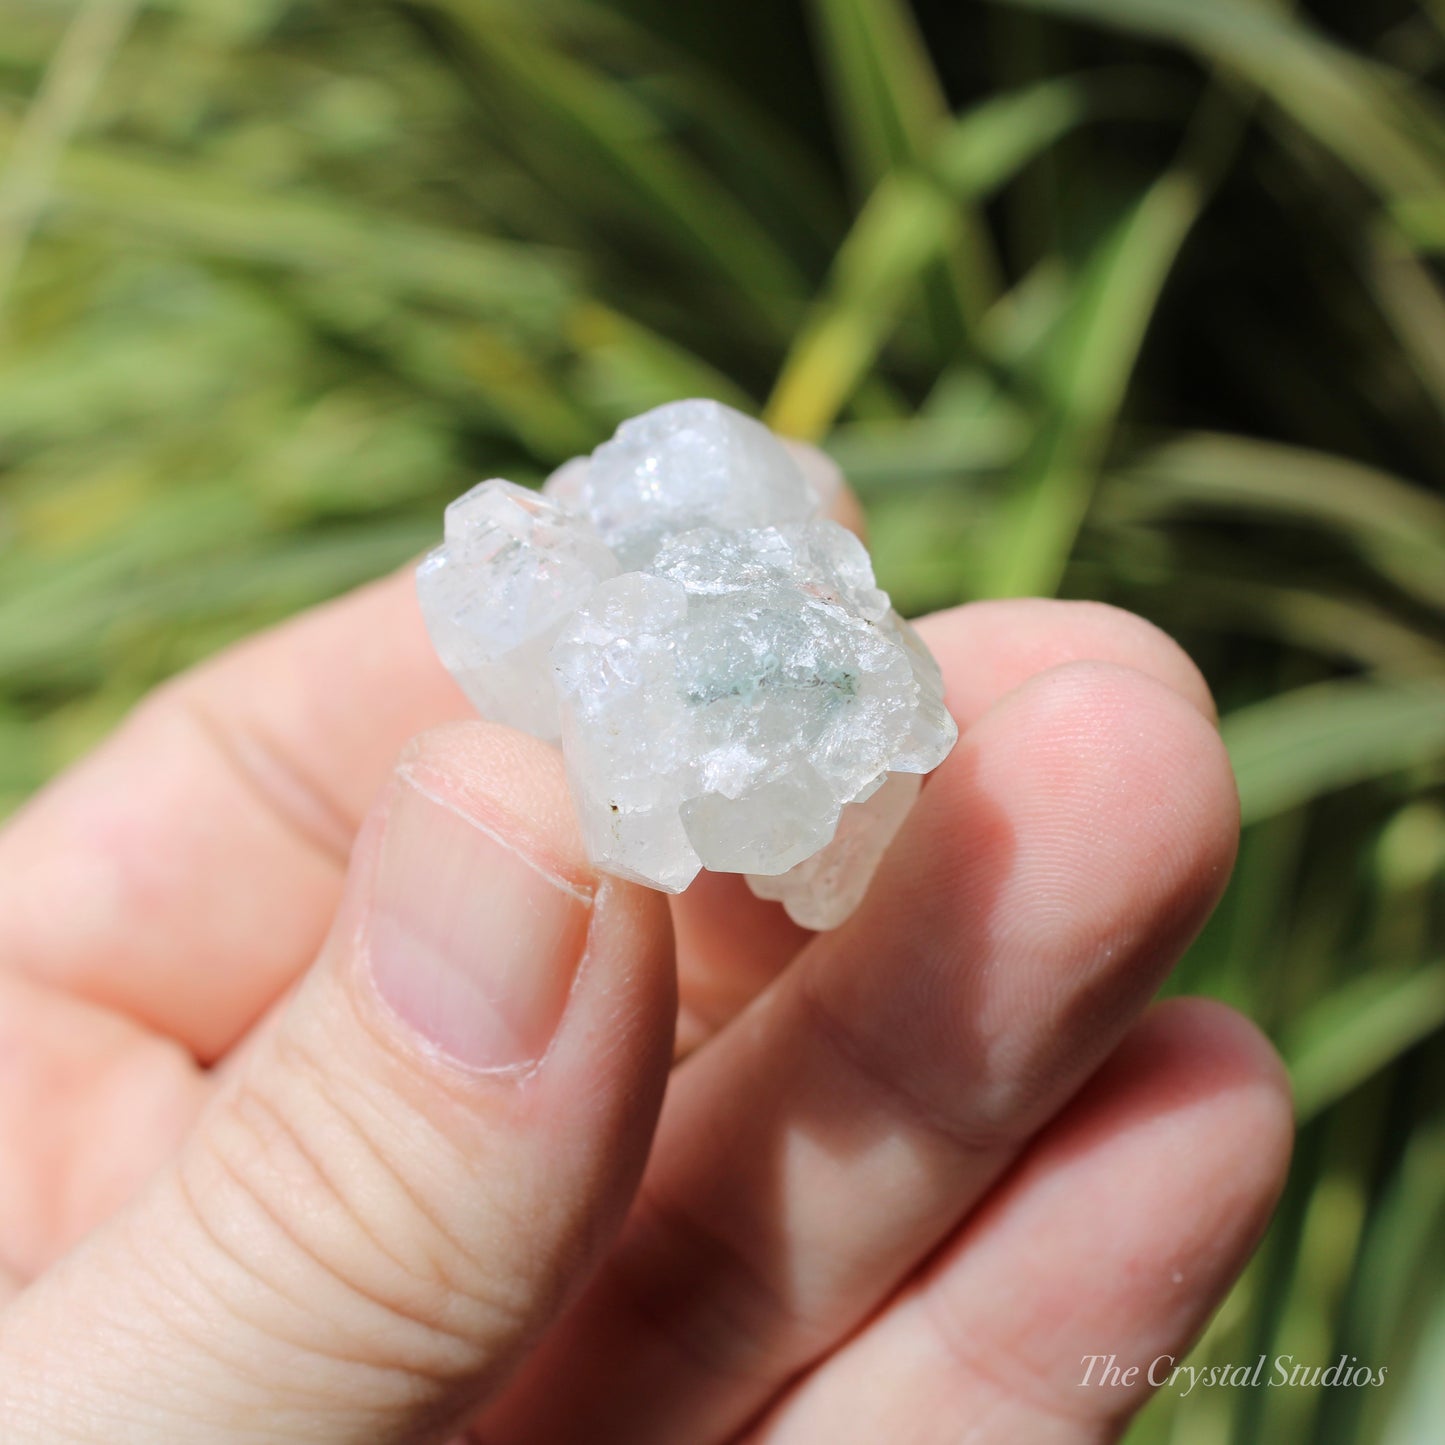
730, 689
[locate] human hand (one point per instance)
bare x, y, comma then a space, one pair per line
287, 1161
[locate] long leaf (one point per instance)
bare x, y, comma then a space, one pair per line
70, 82
1095, 358
1412, 303
892, 111
1399, 527
1327, 621
215, 216
905, 226
1300, 745
1350, 106
1354, 1033
600, 132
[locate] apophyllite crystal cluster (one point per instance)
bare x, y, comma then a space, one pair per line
730, 688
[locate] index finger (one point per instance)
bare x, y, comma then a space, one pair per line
185, 870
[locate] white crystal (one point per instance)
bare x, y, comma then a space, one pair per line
513, 567
565, 485
821, 891
931, 719
731, 687
613, 659
690, 464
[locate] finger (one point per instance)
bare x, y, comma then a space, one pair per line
815, 1151
91, 1105
377, 1216
1099, 1259
170, 906
63, 1174
731, 945
987, 649
188, 869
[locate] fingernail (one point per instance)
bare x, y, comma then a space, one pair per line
472, 943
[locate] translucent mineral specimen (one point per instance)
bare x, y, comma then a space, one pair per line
821, 891
513, 568
691, 464
731, 689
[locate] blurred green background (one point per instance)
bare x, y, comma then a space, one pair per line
1128, 299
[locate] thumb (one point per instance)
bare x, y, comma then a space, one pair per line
414, 1166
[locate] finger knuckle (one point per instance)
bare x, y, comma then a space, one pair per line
309, 1191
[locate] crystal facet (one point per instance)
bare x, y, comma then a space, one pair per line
731, 688
690, 464
821, 891
514, 566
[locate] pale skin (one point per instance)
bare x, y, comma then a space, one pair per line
905, 1178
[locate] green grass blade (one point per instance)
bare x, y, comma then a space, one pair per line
604, 142
71, 79
1093, 361
1400, 1274
202, 210
880, 456
1299, 745
1353, 1033
1419, 1405
1413, 305
889, 102
766, 164
625, 368
1334, 624
1350, 106
906, 225
988, 145
1422, 220
1399, 527
892, 112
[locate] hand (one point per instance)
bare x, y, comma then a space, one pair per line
296, 1149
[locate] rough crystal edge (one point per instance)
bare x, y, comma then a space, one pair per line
826, 888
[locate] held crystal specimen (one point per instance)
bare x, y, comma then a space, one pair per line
730, 688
